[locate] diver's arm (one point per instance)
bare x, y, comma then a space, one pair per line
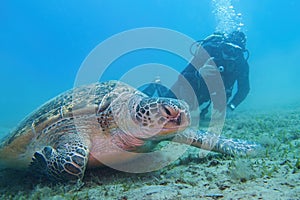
243, 85
187, 85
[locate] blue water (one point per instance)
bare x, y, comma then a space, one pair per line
43, 44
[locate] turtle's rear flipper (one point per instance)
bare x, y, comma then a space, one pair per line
66, 162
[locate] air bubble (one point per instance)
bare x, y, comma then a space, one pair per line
226, 17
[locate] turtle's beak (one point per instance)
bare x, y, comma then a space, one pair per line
177, 123
176, 119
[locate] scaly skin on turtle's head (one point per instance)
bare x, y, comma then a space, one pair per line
154, 118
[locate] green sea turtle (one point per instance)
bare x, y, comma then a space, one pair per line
63, 137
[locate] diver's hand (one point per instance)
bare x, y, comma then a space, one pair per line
209, 68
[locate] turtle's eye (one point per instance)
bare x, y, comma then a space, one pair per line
169, 111
166, 109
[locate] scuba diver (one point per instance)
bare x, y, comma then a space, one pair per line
219, 53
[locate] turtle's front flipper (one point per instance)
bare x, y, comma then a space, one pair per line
65, 162
213, 142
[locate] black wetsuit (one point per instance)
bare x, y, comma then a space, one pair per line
237, 70
234, 70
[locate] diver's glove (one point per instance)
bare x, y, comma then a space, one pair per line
231, 107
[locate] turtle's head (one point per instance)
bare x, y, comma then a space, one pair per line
159, 118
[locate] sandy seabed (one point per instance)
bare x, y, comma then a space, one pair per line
273, 175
